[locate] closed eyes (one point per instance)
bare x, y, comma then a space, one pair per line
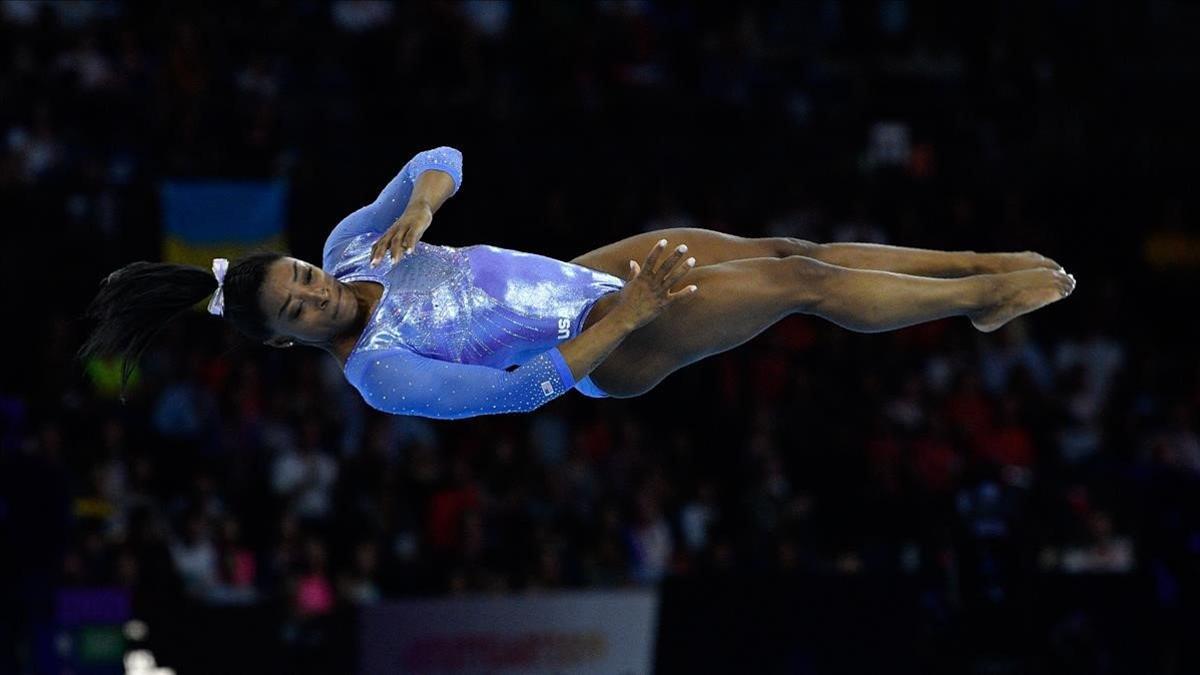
307, 280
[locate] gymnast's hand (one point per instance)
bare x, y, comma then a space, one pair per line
404, 234
647, 292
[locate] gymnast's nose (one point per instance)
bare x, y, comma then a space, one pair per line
319, 296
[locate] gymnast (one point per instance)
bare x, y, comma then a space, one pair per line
451, 332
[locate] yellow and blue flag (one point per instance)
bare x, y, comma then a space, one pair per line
210, 219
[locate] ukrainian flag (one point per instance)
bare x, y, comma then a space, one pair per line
208, 219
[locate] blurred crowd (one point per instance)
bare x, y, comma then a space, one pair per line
237, 475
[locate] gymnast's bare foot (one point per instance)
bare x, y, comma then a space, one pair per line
998, 263
1021, 292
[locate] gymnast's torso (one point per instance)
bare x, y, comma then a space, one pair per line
479, 304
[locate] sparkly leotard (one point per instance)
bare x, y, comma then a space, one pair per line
453, 320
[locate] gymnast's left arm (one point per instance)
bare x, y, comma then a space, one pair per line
432, 189
421, 180
402, 382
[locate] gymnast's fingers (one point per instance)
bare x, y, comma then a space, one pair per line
677, 273
379, 247
396, 245
671, 261
686, 290
408, 240
653, 257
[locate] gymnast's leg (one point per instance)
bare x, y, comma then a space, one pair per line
739, 299
918, 261
710, 247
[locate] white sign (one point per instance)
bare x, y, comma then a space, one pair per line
584, 633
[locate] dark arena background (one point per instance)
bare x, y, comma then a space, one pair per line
816, 501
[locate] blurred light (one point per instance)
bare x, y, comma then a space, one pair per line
136, 630
138, 662
889, 144
141, 661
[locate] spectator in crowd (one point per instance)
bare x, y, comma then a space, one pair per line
304, 476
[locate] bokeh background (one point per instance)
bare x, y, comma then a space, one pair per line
815, 501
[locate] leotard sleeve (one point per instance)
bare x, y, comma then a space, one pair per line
403, 382
379, 215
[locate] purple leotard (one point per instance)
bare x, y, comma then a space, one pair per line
452, 320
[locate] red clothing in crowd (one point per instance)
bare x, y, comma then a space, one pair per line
445, 511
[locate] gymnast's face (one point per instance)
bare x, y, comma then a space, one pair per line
302, 303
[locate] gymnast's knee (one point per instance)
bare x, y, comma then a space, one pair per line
786, 246
808, 280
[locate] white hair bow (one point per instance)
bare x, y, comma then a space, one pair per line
217, 304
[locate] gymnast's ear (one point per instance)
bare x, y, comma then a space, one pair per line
279, 341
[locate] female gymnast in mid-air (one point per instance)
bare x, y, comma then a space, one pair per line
451, 332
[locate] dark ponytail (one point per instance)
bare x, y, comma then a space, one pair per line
136, 301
